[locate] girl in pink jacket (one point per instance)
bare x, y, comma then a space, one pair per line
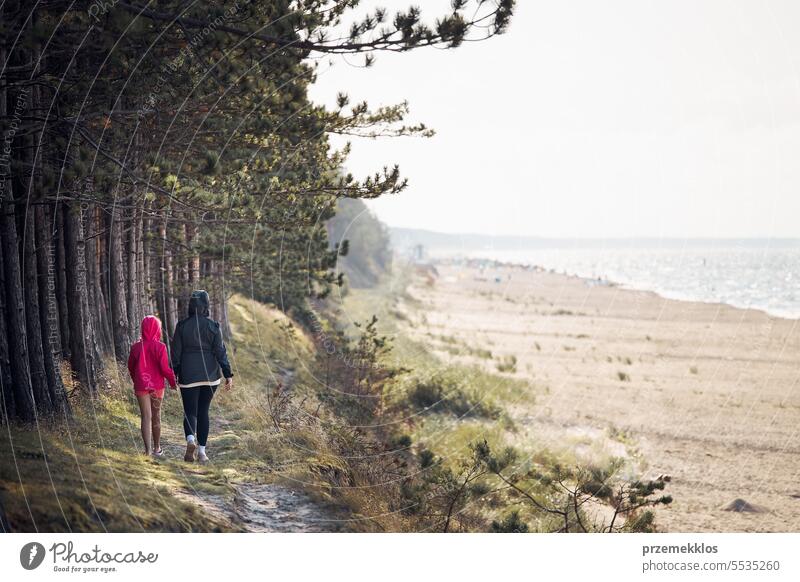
148, 365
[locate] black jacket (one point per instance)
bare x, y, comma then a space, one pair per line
198, 352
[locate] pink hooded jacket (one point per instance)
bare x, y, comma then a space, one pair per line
148, 362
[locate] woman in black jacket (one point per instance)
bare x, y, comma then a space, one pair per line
200, 361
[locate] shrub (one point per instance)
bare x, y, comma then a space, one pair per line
507, 364
449, 392
511, 524
565, 493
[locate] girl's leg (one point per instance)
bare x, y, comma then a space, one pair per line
155, 407
146, 417
204, 402
189, 398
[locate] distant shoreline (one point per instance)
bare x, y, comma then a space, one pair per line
404, 238
474, 262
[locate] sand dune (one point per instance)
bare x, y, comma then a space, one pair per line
704, 392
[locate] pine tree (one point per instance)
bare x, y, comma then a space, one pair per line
172, 146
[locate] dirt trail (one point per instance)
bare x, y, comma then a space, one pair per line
264, 508
253, 507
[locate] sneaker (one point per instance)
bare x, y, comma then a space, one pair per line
159, 454
202, 458
190, 449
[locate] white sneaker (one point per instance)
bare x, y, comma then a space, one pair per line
202, 457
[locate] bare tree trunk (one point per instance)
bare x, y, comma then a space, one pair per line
120, 324
141, 266
219, 303
148, 266
103, 278
16, 332
94, 277
48, 277
24, 183
167, 284
9, 410
30, 294
39, 277
85, 357
48, 310
15, 312
131, 262
6, 357
61, 281
192, 237
224, 320
182, 271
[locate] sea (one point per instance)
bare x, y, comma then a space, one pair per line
760, 274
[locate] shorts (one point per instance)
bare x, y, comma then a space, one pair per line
157, 394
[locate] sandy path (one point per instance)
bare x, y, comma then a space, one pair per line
706, 393
252, 507
263, 508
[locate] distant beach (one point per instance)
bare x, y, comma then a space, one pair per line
747, 273
703, 392
747, 277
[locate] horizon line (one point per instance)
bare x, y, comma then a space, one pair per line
615, 237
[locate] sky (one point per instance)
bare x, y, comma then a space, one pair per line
666, 118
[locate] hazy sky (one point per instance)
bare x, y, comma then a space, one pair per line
616, 118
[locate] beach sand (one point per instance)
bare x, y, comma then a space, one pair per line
705, 393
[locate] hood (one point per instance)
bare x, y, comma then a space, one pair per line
199, 303
151, 328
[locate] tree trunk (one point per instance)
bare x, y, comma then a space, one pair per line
24, 183
167, 283
16, 333
85, 357
216, 290
148, 266
182, 271
61, 281
48, 309
192, 236
15, 312
30, 294
94, 280
134, 316
6, 380
103, 278
46, 262
141, 272
120, 324
6, 377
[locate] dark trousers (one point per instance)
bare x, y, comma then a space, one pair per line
195, 411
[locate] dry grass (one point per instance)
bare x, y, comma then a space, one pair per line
90, 476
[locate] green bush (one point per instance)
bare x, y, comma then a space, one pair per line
449, 392
511, 524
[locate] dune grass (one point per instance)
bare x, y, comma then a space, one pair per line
89, 475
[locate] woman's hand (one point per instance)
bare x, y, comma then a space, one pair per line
228, 384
